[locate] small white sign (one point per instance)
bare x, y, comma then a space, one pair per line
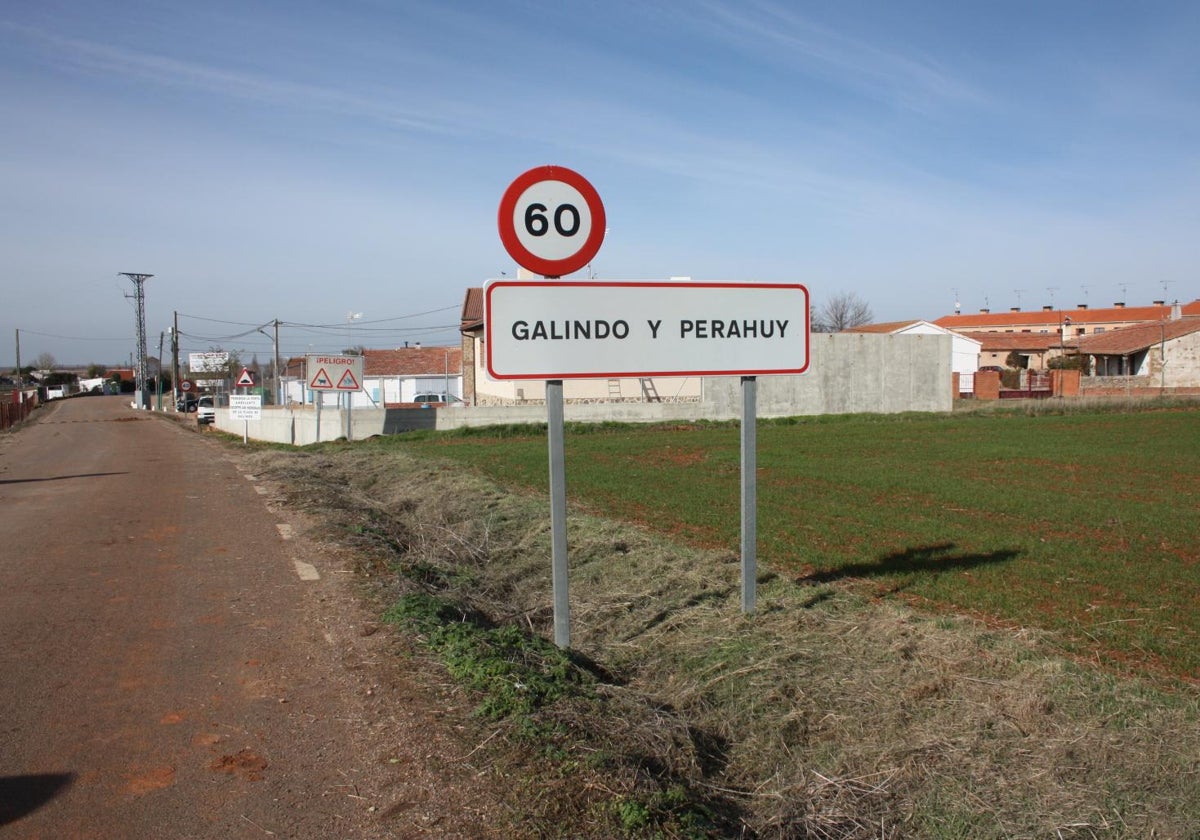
606, 329
245, 406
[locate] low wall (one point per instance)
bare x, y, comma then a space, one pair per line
848, 374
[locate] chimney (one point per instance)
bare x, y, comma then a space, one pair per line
1176, 311
1014, 309
1047, 308
417, 345
1160, 303
1081, 306
1119, 305
984, 310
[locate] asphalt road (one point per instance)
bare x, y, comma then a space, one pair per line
161, 672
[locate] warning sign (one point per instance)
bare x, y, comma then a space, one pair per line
334, 373
245, 379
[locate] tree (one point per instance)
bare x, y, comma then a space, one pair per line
841, 312
1016, 361
44, 361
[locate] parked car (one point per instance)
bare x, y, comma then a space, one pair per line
206, 410
186, 403
437, 399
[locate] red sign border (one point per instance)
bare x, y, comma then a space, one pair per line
621, 284
508, 232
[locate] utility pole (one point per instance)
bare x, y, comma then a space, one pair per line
19, 381
175, 358
278, 378
158, 378
139, 297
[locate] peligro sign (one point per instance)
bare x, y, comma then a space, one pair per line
607, 329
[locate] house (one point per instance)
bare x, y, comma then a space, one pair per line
390, 378
1036, 349
1156, 355
481, 389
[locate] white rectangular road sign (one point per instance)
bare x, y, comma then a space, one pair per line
334, 373
245, 406
208, 362
551, 329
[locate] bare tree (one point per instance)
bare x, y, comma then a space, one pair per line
841, 312
44, 361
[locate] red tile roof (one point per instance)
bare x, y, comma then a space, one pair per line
1136, 338
995, 342
472, 309
1052, 318
412, 361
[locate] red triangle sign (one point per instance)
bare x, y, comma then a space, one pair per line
348, 382
321, 380
245, 379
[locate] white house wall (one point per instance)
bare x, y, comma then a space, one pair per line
964, 352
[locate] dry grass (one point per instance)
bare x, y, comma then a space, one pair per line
826, 715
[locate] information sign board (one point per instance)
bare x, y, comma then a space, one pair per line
245, 406
208, 362
607, 329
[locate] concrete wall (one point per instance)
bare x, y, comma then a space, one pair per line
849, 373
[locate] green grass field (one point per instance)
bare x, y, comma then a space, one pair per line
1084, 524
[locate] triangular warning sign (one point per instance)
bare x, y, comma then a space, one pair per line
347, 382
321, 380
245, 379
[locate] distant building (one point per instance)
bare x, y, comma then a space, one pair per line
1159, 354
390, 378
1064, 323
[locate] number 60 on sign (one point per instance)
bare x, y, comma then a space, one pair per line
551, 221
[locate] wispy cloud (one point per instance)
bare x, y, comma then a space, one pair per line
911, 80
158, 69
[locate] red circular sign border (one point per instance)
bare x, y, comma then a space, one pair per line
508, 232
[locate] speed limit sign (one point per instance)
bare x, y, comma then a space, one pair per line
551, 221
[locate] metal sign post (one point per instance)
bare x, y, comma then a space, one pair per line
749, 493
558, 513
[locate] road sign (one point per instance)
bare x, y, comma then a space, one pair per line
208, 362
185, 385
245, 379
609, 329
551, 221
334, 373
245, 406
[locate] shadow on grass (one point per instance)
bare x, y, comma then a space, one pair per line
924, 559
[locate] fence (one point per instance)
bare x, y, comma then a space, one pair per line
15, 409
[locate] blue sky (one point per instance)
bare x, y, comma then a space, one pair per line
303, 161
